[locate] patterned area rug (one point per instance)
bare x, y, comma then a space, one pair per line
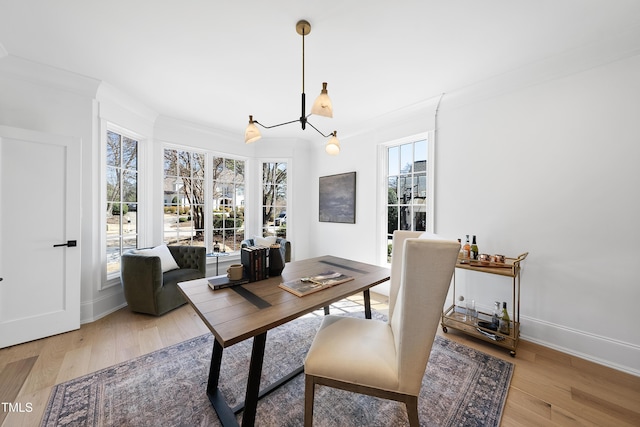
462, 387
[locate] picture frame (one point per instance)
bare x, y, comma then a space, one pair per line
337, 195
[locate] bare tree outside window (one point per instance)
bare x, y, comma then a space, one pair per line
228, 203
184, 187
274, 199
185, 193
121, 197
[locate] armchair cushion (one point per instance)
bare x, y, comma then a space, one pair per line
265, 241
167, 261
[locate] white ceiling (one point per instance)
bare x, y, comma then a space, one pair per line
215, 62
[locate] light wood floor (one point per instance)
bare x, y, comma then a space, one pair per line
548, 387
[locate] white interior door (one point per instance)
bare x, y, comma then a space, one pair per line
39, 208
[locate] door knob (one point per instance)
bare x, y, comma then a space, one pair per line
70, 243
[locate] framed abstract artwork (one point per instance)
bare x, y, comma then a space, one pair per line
338, 198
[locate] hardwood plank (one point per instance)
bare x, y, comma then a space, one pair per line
74, 364
127, 344
607, 406
562, 417
534, 404
38, 401
103, 350
45, 370
149, 340
12, 378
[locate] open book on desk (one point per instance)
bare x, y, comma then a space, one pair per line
308, 285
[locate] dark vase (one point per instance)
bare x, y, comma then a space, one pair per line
276, 262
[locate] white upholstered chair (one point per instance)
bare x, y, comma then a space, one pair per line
387, 359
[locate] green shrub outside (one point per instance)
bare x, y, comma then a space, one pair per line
115, 208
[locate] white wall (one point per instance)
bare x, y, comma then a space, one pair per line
553, 169
550, 169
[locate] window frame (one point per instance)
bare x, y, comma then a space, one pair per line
108, 280
287, 204
236, 205
383, 160
208, 191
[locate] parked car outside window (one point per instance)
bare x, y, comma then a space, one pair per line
281, 219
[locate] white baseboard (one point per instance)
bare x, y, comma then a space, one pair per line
615, 354
90, 311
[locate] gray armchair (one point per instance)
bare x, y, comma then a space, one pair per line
147, 289
285, 246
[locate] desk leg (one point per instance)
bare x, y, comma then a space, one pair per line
225, 414
214, 369
253, 383
367, 304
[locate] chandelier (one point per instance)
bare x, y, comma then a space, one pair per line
321, 107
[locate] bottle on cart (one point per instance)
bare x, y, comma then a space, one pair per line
466, 249
497, 314
473, 254
505, 321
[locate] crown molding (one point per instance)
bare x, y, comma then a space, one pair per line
604, 51
111, 97
34, 72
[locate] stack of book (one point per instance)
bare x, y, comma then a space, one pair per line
254, 260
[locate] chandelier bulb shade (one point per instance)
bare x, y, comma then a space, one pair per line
252, 133
333, 145
321, 107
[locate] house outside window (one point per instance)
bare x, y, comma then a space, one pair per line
204, 198
274, 199
184, 196
121, 214
409, 183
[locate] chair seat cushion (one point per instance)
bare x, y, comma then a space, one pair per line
370, 361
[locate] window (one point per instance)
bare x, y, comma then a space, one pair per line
121, 198
184, 198
228, 203
274, 199
408, 188
194, 210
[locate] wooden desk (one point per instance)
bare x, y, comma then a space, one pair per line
246, 311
